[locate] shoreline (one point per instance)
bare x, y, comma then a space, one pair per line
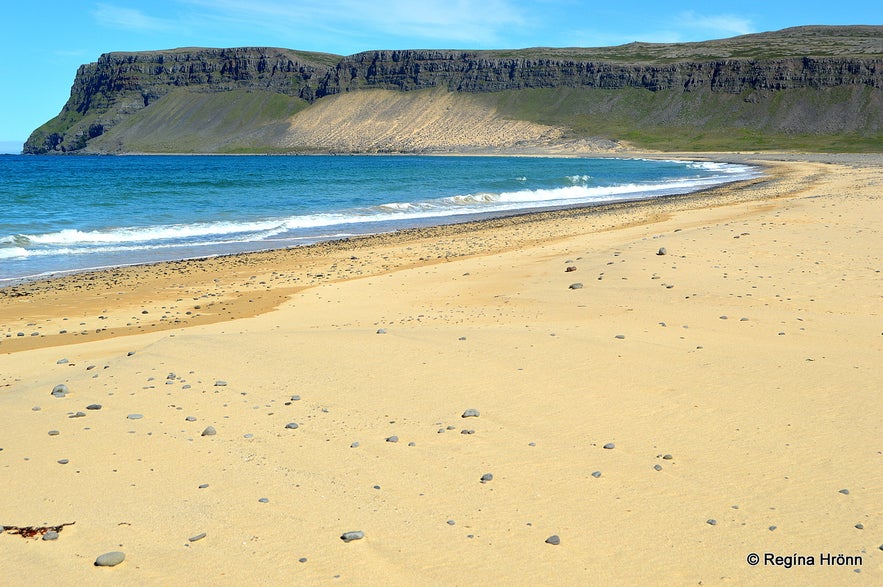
667, 388
18, 277
102, 279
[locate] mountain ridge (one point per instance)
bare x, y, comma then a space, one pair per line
819, 85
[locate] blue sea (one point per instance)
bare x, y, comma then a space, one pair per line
64, 214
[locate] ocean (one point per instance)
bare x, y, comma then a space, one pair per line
66, 214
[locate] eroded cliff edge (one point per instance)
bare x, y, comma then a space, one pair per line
822, 86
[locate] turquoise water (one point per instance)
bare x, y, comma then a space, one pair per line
60, 214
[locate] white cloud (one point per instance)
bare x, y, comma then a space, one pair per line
724, 24
465, 21
128, 19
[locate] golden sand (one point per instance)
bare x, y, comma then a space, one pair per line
737, 377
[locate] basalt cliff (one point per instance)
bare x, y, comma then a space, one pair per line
817, 88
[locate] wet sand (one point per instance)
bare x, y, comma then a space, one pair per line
737, 378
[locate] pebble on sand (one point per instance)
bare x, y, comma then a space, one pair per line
471, 413
553, 540
596, 474
575, 286
51, 535
487, 477
292, 426
711, 522
110, 559
60, 390
199, 536
392, 438
609, 446
661, 251
353, 535
209, 431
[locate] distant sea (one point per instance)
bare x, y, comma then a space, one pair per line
64, 214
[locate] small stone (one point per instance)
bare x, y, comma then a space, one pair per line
471, 413
291, 426
54, 433
661, 251
302, 559
657, 467
596, 474
576, 285
60, 390
667, 457
381, 331
711, 522
844, 491
295, 398
110, 559
554, 540
134, 417
209, 431
355, 444
93, 407
61, 362
63, 461
50, 535
350, 536
130, 353
264, 500
190, 418
620, 337
392, 438
199, 536
570, 269
859, 526
609, 446
772, 528
220, 383
203, 486
78, 415
450, 522
467, 431
487, 477
412, 443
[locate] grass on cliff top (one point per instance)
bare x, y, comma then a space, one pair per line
807, 41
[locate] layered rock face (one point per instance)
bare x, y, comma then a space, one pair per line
471, 72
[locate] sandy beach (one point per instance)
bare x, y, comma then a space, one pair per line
667, 387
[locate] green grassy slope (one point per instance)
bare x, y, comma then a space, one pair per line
186, 121
674, 120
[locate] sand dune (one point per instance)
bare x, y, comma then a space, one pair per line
428, 120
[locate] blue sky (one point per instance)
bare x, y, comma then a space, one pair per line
44, 42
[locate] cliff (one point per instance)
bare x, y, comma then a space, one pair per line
821, 85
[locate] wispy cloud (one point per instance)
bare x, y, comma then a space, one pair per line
724, 24
466, 21
116, 17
